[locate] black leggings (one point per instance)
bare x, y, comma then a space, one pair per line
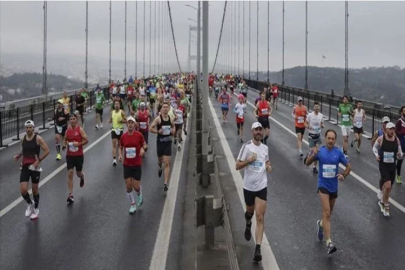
399, 165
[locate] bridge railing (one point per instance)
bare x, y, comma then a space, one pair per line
329, 104
12, 120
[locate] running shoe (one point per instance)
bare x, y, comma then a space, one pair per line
160, 170
165, 187
82, 180
319, 230
101, 125
305, 159
140, 200
381, 205
96, 126
178, 148
301, 154
331, 248
241, 140
358, 150
248, 233
28, 212
132, 209
352, 143
258, 255
58, 156
386, 210
70, 199
114, 162
185, 132
35, 214
399, 181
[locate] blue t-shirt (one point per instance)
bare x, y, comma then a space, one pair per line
329, 167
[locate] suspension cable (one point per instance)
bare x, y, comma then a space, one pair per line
174, 40
220, 36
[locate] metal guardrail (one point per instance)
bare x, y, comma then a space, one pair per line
12, 120
374, 111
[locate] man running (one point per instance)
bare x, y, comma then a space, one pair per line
60, 118
152, 98
240, 110
75, 138
117, 119
132, 148
359, 117
164, 127
31, 147
345, 111
275, 92
329, 158
299, 113
185, 101
180, 111
387, 150
80, 104
263, 112
100, 99
400, 132
143, 117
224, 98
254, 159
314, 124
66, 102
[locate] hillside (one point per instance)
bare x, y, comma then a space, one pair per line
385, 84
26, 85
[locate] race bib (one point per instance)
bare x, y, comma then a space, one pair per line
179, 116
345, 117
65, 106
256, 166
265, 111
359, 124
73, 148
98, 99
142, 125
300, 120
388, 157
130, 152
59, 129
166, 130
117, 131
240, 115
328, 171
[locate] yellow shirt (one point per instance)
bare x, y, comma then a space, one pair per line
116, 119
65, 103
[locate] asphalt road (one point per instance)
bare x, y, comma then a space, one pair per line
96, 232
364, 238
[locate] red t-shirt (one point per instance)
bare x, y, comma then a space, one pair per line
132, 148
73, 135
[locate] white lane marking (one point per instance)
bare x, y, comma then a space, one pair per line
352, 173
49, 177
161, 247
269, 261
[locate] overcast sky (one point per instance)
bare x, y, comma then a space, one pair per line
376, 31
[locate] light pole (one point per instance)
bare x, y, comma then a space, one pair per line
198, 9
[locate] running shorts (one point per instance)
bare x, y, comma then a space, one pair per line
314, 141
123, 96
345, 131
163, 148
99, 111
299, 130
250, 196
74, 162
26, 174
62, 131
357, 130
332, 195
264, 121
134, 172
388, 174
115, 136
178, 126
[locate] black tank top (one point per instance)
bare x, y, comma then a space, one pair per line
30, 150
60, 114
166, 125
388, 153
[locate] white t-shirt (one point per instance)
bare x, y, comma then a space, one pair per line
255, 178
142, 91
240, 109
358, 118
315, 122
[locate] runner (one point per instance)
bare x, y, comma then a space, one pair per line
314, 124
143, 117
400, 132
135, 103
180, 111
240, 110
117, 119
224, 98
299, 113
60, 118
66, 102
275, 92
263, 112
254, 159
163, 126
387, 150
31, 147
185, 101
345, 110
100, 99
80, 105
133, 148
359, 117
152, 99
244, 90
75, 138
130, 96
329, 158
85, 95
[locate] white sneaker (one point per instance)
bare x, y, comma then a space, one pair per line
35, 213
96, 126
28, 212
114, 162
101, 125
379, 195
132, 209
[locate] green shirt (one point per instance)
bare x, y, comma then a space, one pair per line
346, 110
135, 104
99, 101
85, 95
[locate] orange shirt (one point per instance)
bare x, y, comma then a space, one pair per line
300, 113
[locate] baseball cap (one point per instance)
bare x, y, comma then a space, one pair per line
131, 119
29, 123
142, 104
256, 125
390, 125
299, 99
385, 119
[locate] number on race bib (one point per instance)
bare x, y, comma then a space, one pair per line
256, 166
345, 117
142, 125
59, 129
73, 148
300, 120
130, 152
328, 171
388, 157
265, 111
166, 130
